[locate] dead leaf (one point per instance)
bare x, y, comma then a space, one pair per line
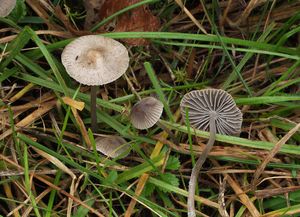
139, 19
81, 127
31, 118
56, 162
73, 103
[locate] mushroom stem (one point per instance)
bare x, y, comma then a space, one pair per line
93, 109
198, 166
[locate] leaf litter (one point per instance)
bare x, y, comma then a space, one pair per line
139, 19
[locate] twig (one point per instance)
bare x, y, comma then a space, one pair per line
273, 152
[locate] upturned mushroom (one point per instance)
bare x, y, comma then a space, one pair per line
6, 6
95, 60
210, 110
112, 146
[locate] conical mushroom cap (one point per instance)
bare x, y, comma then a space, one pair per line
6, 6
95, 60
145, 113
201, 104
112, 146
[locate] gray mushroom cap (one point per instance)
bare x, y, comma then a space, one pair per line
145, 113
6, 6
203, 104
112, 146
95, 60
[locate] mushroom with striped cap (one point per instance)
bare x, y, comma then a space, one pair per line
112, 146
145, 113
6, 6
212, 110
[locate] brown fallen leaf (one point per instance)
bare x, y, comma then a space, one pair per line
73, 103
139, 19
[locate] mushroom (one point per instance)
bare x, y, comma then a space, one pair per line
210, 110
112, 146
95, 60
6, 6
145, 113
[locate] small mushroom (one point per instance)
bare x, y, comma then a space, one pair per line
95, 60
112, 146
210, 110
145, 113
6, 6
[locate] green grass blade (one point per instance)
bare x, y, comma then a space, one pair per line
284, 76
201, 37
292, 52
10, 23
265, 100
27, 182
53, 192
137, 171
50, 60
246, 58
158, 89
286, 148
38, 70
56, 87
37, 145
239, 49
15, 47
7, 73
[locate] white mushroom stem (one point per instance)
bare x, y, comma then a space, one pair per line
94, 122
198, 166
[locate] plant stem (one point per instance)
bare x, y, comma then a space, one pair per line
197, 168
93, 109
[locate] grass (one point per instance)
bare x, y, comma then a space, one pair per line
257, 62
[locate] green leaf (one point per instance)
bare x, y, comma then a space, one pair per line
154, 80
15, 47
148, 189
65, 160
266, 99
173, 163
112, 177
50, 60
138, 170
7, 73
19, 11
205, 38
286, 148
170, 179
83, 211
